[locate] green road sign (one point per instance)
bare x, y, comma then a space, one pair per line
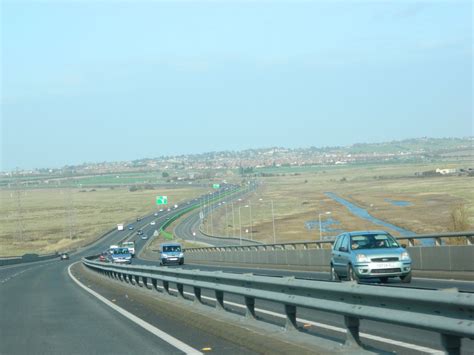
161, 200
216, 186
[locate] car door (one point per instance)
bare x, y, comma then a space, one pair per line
338, 258
344, 255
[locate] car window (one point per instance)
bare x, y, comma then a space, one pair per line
373, 241
337, 244
344, 242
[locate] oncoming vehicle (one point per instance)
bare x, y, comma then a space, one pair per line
368, 255
64, 256
120, 255
130, 246
171, 253
103, 257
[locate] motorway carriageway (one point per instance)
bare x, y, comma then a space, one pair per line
43, 311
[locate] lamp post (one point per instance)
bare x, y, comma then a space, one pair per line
320, 229
251, 229
273, 220
240, 225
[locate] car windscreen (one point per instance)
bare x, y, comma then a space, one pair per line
373, 241
121, 251
171, 248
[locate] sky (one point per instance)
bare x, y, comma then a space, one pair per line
92, 81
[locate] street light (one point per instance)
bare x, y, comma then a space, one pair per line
320, 229
273, 220
240, 225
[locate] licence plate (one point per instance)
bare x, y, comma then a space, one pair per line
173, 258
384, 265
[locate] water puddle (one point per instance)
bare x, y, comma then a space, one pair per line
398, 202
326, 224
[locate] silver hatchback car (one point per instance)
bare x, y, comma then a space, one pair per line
368, 255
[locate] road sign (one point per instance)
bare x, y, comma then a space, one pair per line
201, 215
161, 200
216, 186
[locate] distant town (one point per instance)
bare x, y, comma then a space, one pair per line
411, 150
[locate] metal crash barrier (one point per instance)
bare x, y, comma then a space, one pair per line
447, 312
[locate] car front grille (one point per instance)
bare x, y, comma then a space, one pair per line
385, 271
386, 259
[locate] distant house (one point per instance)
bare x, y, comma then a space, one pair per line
446, 171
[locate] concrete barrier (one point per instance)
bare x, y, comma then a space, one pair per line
436, 258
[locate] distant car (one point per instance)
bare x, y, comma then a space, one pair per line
139, 232
369, 255
155, 214
152, 223
130, 227
64, 256
139, 219
171, 253
103, 257
120, 256
161, 210
144, 237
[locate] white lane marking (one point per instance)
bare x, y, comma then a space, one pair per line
178, 344
330, 327
21, 272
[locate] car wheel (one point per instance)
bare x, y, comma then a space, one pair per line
351, 275
334, 275
384, 280
406, 279
181, 262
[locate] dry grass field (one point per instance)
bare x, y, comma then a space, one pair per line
300, 198
58, 219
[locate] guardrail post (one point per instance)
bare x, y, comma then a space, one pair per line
451, 344
411, 242
219, 300
137, 280
197, 295
166, 286
290, 312
352, 325
155, 284
250, 304
470, 240
438, 242
180, 288
130, 279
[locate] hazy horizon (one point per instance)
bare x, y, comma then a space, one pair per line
119, 81
235, 151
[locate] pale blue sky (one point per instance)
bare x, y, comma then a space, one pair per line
89, 81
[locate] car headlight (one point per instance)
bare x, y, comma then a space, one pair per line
164, 256
362, 258
405, 256
181, 255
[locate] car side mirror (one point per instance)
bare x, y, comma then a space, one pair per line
404, 246
344, 249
